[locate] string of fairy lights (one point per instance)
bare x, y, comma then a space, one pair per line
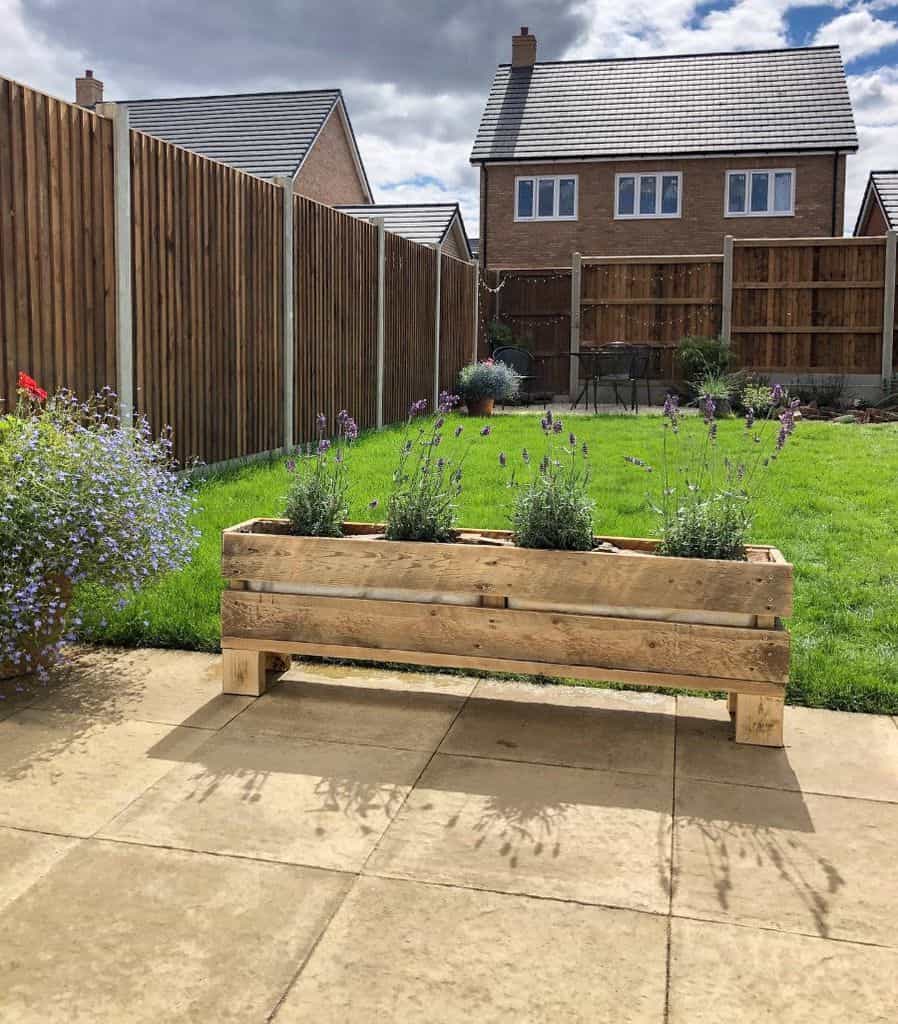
696, 312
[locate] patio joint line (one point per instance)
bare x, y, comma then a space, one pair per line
552, 764
670, 882
786, 789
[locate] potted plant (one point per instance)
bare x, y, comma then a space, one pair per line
481, 385
545, 599
720, 388
84, 500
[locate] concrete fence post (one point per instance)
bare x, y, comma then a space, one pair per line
574, 382
124, 311
475, 273
888, 310
726, 298
378, 222
288, 340
438, 249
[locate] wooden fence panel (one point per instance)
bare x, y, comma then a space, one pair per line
409, 324
457, 282
335, 316
207, 277
536, 305
809, 306
57, 259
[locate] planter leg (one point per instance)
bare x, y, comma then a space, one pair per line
731, 703
243, 672
759, 720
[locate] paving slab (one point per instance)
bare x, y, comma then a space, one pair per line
148, 685
542, 830
127, 933
826, 751
25, 857
66, 773
411, 681
566, 725
818, 865
323, 804
356, 709
726, 973
403, 951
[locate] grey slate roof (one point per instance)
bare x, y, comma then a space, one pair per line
267, 134
761, 101
885, 185
425, 223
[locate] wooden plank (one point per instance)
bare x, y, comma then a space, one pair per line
589, 640
476, 662
243, 672
792, 329
822, 242
713, 258
759, 720
806, 285
569, 577
649, 300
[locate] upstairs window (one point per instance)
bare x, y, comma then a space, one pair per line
760, 193
647, 195
546, 198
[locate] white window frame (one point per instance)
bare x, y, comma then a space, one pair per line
657, 175
748, 172
535, 179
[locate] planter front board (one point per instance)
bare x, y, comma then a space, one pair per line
625, 616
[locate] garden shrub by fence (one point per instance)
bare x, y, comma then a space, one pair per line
96, 220
819, 306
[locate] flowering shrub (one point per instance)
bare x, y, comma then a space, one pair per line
426, 483
553, 508
488, 379
318, 502
84, 499
708, 497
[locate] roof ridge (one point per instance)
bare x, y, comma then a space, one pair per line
341, 206
681, 56
234, 95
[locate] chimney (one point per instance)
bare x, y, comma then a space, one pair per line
88, 90
523, 49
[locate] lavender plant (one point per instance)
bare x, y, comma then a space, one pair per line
318, 499
708, 497
84, 500
426, 482
552, 508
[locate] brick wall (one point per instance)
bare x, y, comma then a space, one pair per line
700, 228
875, 224
329, 173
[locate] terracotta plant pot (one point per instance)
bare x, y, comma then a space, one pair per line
480, 406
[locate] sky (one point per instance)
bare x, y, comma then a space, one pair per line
415, 73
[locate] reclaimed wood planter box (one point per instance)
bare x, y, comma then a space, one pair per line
626, 616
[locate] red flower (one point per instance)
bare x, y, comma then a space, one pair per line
30, 386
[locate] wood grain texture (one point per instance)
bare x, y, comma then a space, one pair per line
633, 580
558, 638
57, 260
759, 720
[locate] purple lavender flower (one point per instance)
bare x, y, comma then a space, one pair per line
777, 394
557, 427
447, 402
708, 407
525, 455
417, 408
321, 422
634, 461
323, 446
503, 461
458, 430
486, 431
572, 440
291, 465
373, 503
749, 418
585, 450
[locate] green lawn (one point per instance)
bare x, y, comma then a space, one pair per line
831, 507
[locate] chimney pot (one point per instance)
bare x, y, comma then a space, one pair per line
523, 49
88, 90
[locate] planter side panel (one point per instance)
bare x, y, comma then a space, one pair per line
633, 579
550, 637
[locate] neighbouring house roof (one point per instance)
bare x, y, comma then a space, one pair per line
268, 133
882, 188
475, 247
764, 101
425, 223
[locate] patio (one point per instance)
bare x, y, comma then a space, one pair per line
366, 845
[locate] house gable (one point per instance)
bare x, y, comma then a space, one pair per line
879, 207
332, 171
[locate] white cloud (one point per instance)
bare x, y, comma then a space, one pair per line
31, 58
858, 33
874, 96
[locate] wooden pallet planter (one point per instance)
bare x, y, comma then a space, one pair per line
629, 616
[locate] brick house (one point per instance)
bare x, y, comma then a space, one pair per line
879, 207
659, 155
305, 136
